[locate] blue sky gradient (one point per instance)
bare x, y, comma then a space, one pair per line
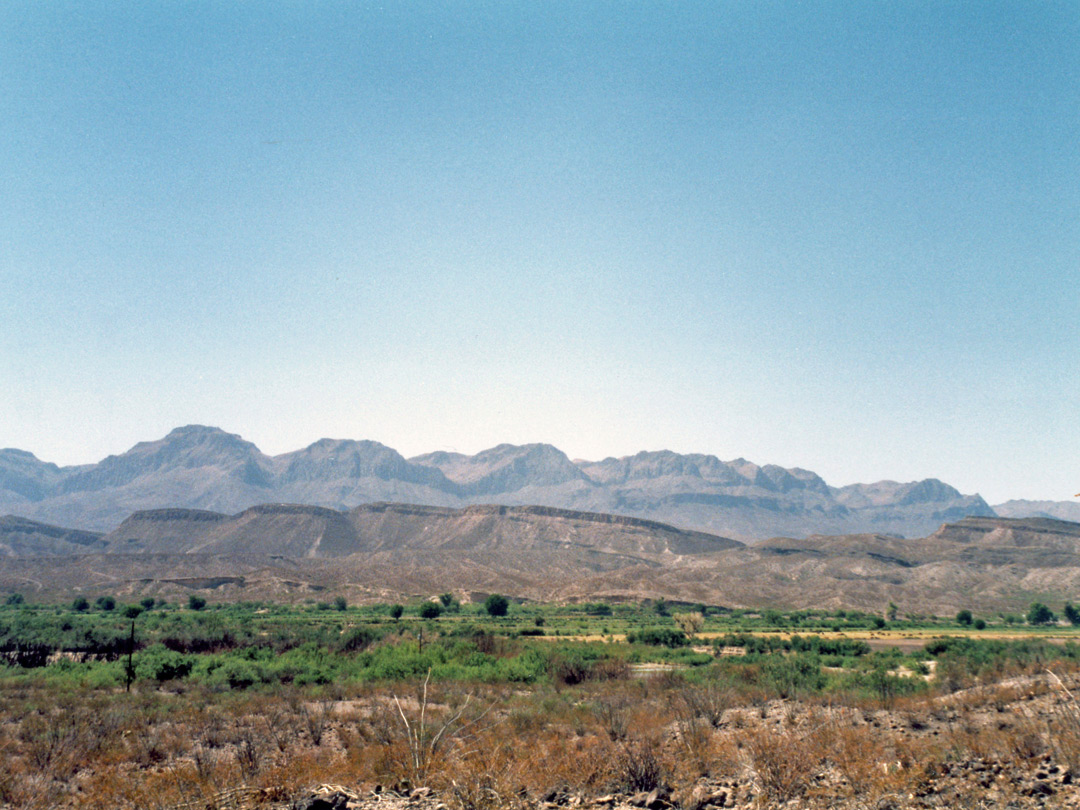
843, 236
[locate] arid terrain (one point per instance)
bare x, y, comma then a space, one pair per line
380, 552
612, 742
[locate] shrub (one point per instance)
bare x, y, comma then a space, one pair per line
195, 602
1072, 613
396, 611
430, 610
496, 605
356, 639
340, 603
1039, 614
791, 675
161, 664
105, 603
80, 605
658, 637
964, 618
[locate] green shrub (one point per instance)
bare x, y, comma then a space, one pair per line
158, 663
658, 637
496, 605
791, 675
1040, 614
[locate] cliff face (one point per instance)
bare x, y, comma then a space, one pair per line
197, 467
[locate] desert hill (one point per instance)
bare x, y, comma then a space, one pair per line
311, 531
205, 468
389, 551
20, 537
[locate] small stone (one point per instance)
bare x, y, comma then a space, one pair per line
1042, 789
658, 799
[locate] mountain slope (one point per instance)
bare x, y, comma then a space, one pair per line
389, 551
205, 468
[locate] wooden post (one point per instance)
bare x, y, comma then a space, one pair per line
130, 673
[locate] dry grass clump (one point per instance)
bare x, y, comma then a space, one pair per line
484, 747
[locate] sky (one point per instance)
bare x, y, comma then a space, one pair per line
843, 236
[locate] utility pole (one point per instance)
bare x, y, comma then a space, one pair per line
129, 674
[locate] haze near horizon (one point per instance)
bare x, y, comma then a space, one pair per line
841, 237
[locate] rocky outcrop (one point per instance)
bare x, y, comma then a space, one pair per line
198, 467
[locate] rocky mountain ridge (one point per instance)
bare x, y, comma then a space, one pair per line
198, 467
387, 551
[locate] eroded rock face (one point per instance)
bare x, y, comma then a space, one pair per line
199, 467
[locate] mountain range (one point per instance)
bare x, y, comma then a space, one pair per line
387, 551
199, 467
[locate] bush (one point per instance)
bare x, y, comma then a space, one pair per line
158, 663
356, 639
430, 610
340, 603
80, 605
396, 611
496, 605
1040, 614
793, 674
658, 637
195, 602
105, 603
1072, 613
964, 618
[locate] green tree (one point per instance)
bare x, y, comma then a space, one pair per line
447, 599
132, 611
105, 603
396, 611
430, 610
340, 603
1039, 613
1072, 613
147, 603
80, 604
496, 604
15, 599
195, 602
965, 618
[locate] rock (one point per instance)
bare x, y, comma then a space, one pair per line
1041, 789
331, 801
700, 797
658, 799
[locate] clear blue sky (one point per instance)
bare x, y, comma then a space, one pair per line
842, 236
